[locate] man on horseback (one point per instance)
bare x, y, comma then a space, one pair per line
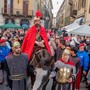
35, 37
34, 41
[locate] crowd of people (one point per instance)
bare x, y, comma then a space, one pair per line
70, 57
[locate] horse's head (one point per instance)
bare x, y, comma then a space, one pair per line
43, 57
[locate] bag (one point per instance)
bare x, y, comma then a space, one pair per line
1, 76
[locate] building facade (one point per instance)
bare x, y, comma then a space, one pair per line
48, 13
80, 9
54, 22
77, 9
20, 12
73, 11
63, 15
1, 16
45, 6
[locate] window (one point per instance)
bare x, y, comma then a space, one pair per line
76, 6
79, 4
83, 3
89, 8
18, 1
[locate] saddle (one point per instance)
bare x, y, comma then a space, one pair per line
41, 55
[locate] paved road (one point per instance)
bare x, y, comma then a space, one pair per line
83, 85
3, 87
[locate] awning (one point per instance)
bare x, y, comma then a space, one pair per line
71, 27
78, 21
83, 30
10, 25
25, 26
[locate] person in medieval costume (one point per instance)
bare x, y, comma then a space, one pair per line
64, 72
35, 40
16, 67
36, 36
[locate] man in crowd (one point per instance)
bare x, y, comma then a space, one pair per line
84, 59
60, 48
74, 41
4, 51
16, 67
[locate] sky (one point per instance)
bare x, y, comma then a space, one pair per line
8, 1
56, 6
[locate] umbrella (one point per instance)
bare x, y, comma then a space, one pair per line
82, 30
59, 32
10, 25
25, 26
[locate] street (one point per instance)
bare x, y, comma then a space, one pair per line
3, 87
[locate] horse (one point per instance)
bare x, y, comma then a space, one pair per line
42, 69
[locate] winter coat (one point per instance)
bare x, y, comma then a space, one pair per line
4, 51
84, 59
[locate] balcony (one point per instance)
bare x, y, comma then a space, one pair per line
73, 13
17, 12
70, 2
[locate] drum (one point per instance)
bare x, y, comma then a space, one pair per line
63, 74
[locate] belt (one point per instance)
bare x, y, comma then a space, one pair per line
17, 77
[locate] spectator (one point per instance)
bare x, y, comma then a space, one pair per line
61, 46
84, 59
4, 51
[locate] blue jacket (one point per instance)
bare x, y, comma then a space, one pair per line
84, 59
4, 51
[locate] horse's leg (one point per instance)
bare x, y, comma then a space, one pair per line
44, 86
32, 79
54, 84
31, 74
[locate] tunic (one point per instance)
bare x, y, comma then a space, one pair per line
16, 68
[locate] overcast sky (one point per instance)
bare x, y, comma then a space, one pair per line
56, 6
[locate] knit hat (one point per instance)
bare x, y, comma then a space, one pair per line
2, 40
82, 44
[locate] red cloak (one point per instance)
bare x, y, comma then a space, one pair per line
69, 62
29, 40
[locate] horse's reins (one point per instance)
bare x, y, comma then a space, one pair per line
34, 55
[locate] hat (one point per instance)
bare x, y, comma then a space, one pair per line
2, 40
82, 44
16, 43
38, 15
35, 18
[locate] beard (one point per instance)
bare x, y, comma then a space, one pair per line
38, 26
18, 52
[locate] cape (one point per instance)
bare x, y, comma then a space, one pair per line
69, 62
29, 40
